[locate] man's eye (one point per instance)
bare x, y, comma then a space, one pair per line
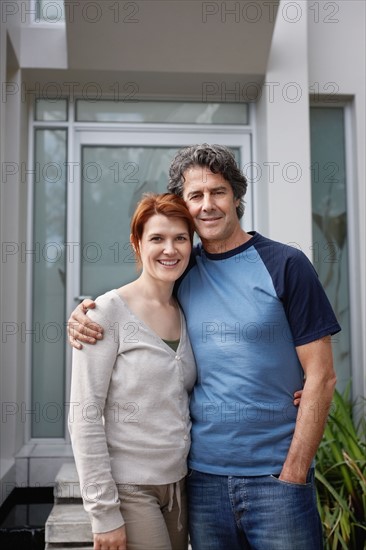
194, 197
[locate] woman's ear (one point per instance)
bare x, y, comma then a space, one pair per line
136, 250
132, 241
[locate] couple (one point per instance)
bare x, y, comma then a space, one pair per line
259, 322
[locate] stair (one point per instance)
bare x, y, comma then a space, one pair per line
68, 525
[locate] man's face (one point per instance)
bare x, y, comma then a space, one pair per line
210, 200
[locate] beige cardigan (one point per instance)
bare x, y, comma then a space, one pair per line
129, 418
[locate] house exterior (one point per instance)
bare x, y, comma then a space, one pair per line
96, 96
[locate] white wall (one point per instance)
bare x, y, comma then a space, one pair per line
35, 44
337, 65
284, 186
13, 128
6, 461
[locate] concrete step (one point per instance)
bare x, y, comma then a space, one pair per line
68, 526
67, 487
68, 523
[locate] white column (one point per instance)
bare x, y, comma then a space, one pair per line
284, 184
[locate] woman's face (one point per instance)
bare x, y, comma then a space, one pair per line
165, 248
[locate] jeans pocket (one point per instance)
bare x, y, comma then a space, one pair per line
290, 483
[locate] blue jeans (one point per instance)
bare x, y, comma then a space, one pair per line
256, 513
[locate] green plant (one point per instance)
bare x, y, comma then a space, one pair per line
341, 478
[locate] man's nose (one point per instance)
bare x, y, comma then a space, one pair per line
207, 203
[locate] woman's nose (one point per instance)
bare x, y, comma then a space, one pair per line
169, 247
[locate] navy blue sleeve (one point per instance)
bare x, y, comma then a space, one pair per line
297, 285
306, 304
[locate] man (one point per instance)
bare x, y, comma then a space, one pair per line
259, 321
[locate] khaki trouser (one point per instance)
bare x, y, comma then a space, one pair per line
155, 516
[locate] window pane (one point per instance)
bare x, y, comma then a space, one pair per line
329, 208
113, 181
158, 111
50, 10
49, 283
48, 109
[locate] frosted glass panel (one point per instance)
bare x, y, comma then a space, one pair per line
132, 110
51, 109
48, 338
113, 180
329, 206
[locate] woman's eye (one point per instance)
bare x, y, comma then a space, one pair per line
181, 238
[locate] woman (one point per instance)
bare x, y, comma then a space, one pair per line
129, 420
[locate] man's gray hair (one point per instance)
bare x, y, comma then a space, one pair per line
216, 158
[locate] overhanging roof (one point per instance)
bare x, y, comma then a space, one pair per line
175, 38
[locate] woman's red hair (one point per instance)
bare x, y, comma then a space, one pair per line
166, 204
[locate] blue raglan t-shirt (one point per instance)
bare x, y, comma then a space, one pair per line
246, 310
